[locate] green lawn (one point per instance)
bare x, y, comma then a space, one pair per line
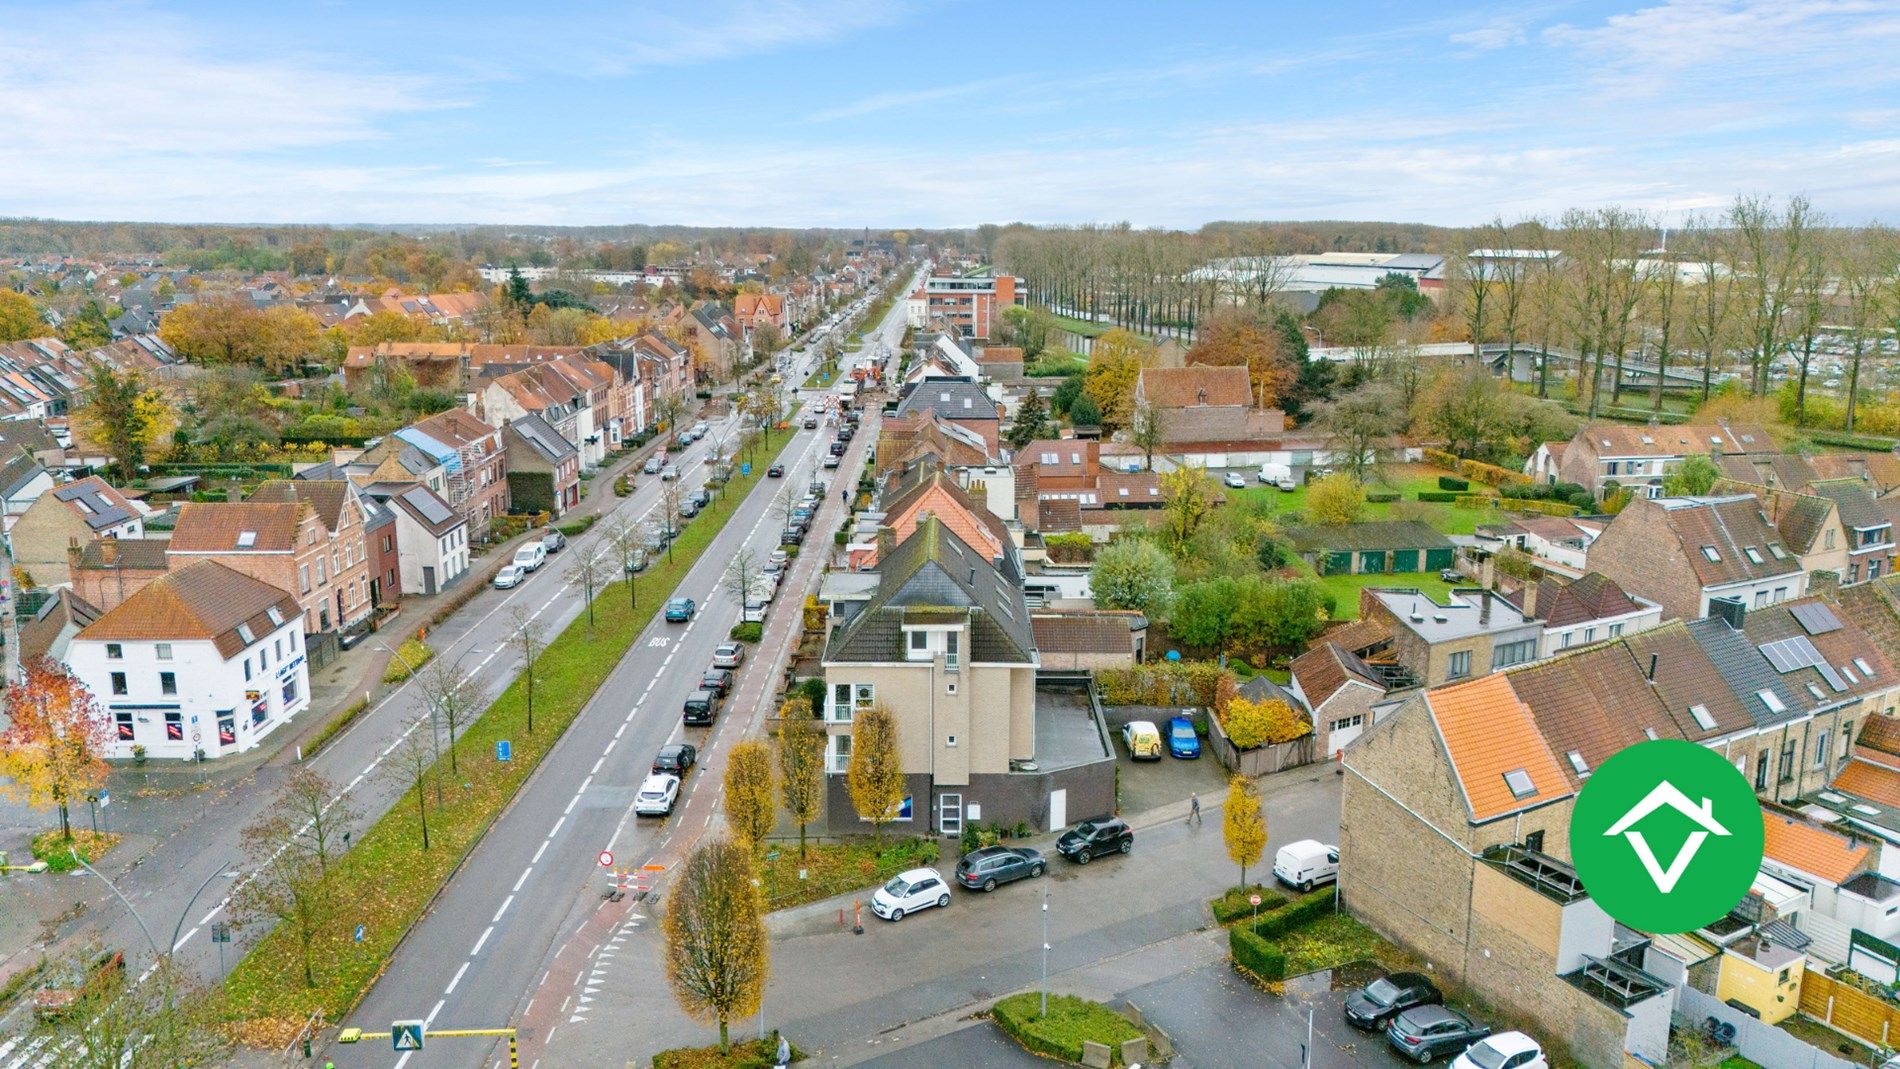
1332, 941
1737, 1062
1407, 479
1069, 1023
1080, 326
1345, 588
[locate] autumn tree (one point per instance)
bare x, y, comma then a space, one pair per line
86, 327
743, 575
1145, 431
1132, 573
1267, 722
285, 886
1116, 361
1244, 824
875, 777
716, 942
1336, 499
19, 317
750, 806
800, 741
1359, 423
53, 750
1693, 477
1189, 499
1247, 337
126, 415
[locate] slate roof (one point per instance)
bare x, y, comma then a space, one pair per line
1686, 677
1371, 535
1489, 734
95, 501
17, 471
215, 527
1594, 596
426, 508
952, 399
204, 600
1844, 649
1260, 688
933, 570
1746, 671
1730, 525
544, 439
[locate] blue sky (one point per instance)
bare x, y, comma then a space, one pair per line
945, 113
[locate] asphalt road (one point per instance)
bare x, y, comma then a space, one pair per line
206, 839
503, 943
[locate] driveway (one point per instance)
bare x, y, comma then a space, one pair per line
1218, 1020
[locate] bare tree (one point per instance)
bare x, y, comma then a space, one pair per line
1813, 303
409, 765
670, 498
166, 1025
1145, 431
321, 811
1358, 423
742, 575
590, 570
528, 637
1711, 315
451, 697
1870, 291
1604, 245
1475, 302
1662, 311
1768, 249
627, 542
285, 887
1547, 281
1514, 285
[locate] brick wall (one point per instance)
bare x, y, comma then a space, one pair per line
1640, 551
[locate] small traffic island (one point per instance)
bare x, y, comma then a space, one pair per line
741, 1054
1075, 1030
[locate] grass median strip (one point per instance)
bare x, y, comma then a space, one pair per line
386, 881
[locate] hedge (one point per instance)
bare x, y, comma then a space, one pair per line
1476, 470
744, 1054
1448, 482
1070, 1021
1252, 944
1437, 495
1167, 683
1547, 508
1381, 497
1476, 501
1234, 905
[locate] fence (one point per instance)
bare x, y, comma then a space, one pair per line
1850, 1009
1276, 757
1762, 1043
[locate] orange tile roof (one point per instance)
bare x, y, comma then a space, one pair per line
205, 600
1813, 850
1489, 733
1873, 782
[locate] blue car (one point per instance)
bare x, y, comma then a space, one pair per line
679, 610
1182, 741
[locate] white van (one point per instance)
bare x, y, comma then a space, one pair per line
1306, 863
1279, 475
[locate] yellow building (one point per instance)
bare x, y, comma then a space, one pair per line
1762, 976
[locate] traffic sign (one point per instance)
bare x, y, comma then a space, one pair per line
1253, 900
196, 735
504, 750
220, 933
606, 859
105, 799
406, 1035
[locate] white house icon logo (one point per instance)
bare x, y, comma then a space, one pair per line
1665, 793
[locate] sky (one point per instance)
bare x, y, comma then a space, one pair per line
941, 113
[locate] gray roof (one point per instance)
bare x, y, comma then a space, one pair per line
428, 509
1857, 507
949, 398
1260, 688
324, 471
99, 512
933, 569
17, 472
1747, 671
546, 441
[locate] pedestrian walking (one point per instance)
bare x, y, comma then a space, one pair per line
1194, 808
844, 496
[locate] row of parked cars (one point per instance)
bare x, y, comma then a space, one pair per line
990, 867
1411, 1011
804, 511
529, 558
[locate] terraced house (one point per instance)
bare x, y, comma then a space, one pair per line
304, 537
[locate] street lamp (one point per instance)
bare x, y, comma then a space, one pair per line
1045, 950
162, 958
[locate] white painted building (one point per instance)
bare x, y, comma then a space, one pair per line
431, 540
201, 658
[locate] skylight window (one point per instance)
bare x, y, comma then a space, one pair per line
1754, 555
1777, 552
1702, 717
1769, 699
1849, 673
1709, 552
1520, 783
247, 539
275, 616
1577, 762
1815, 689
244, 632
1650, 733
1865, 669
1867, 809
1830, 796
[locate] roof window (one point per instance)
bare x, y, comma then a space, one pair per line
1865, 669
244, 632
1577, 762
1710, 552
1769, 699
1777, 552
1753, 554
275, 616
247, 539
1519, 780
1702, 718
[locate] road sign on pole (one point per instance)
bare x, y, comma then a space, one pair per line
606, 859
406, 1035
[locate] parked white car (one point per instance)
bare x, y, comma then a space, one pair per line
509, 576
1506, 1050
657, 794
909, 892
530, 557
1234, 481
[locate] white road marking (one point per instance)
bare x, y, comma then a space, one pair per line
483, 940
505, 903
537, 854
597, 764
557, 826
429, 1020
571, 803
525, 873
457, 980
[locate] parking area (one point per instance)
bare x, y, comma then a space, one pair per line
1217, 1020
1146, 785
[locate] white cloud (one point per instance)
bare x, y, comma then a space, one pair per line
621, 37
1506, 31
1735, 35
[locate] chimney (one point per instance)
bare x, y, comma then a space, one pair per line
886, 542
1730, 611
109, 552
1488, 573
1484, 608
1530, 599
73, 553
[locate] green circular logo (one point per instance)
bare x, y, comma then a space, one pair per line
1666, 836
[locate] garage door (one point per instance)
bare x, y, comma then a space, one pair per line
1338, 563
1372, 562
1405, 560
1340, 732
1438, 559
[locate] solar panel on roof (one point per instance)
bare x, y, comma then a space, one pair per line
430, 506
1816, 618
1791, 654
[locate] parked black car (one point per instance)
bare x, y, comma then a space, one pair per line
675, 759
716, 679
1427, 1033
1375, 1004
1092, 838
992, 865
792, 536
700, 497
837, 449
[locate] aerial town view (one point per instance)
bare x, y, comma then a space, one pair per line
861, 533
